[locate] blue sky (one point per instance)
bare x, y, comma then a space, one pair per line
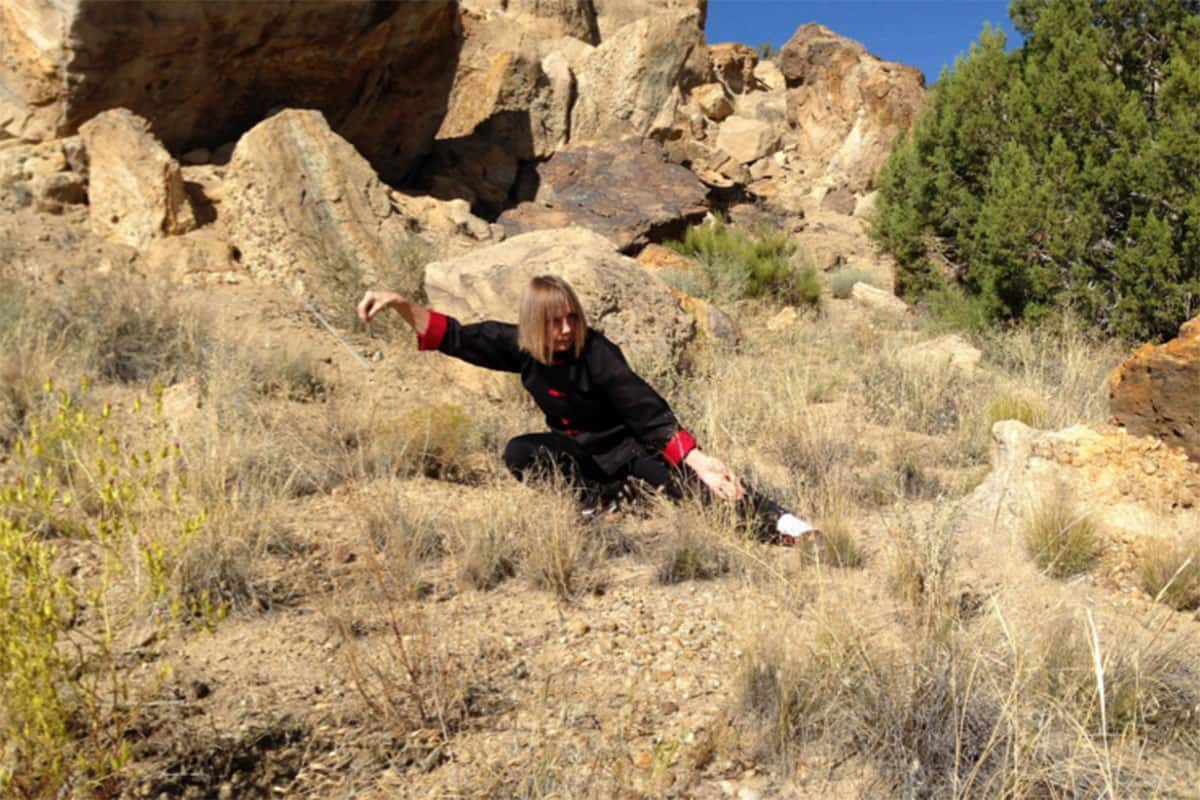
927, 34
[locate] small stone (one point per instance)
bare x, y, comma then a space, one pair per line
581, 628
226, 791
1149, 467
746, 793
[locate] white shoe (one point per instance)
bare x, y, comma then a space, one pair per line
792, 530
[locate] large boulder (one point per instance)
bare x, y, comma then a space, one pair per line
845, 105
202, 73
629, 84
633, 308
506, 89
747, 140
300, 202
1154, 392
136, 189
626, 190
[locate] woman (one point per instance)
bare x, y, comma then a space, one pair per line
606, 423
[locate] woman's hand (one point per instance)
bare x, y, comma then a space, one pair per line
373, 302
715, 475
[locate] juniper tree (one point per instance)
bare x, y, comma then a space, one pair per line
1065, 173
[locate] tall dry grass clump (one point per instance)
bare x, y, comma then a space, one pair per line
1059, 368
1169, 571
936, 399
530, 530
1060, 537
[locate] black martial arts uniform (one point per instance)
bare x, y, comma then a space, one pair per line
606, 423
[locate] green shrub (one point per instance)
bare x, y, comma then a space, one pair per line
1065, 173
756, 264
113, 480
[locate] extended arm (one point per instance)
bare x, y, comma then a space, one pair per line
374, 301
492, 345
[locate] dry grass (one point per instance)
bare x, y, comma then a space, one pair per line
1061, 539
1004, 407
1060, 367
837, 546
1169, 571
561, 554
700, 544
942, 704
880, 664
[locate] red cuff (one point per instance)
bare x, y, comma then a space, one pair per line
678, 447
433, 332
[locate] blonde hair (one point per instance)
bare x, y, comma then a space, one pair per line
545, 298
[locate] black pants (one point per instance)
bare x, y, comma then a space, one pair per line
554, 453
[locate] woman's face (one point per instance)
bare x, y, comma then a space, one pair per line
560, 329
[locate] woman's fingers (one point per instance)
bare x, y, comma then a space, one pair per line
366, 307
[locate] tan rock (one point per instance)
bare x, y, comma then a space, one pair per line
178, 257
299, 202
733, 65
505, 92
713, 101
711, 322
657, 258
201, 73
950, 350
1154, 391
448, 225
712, 166
769, 107
869, 296
845, 105
628, 85
53, 192
1104, 473
768, 77
632, 307
544, 19
613, 15
747, 140
135, 188
840, 201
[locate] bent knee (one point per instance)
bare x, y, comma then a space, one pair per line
519, 454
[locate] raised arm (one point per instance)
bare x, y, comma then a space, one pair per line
375, 301
488, 344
